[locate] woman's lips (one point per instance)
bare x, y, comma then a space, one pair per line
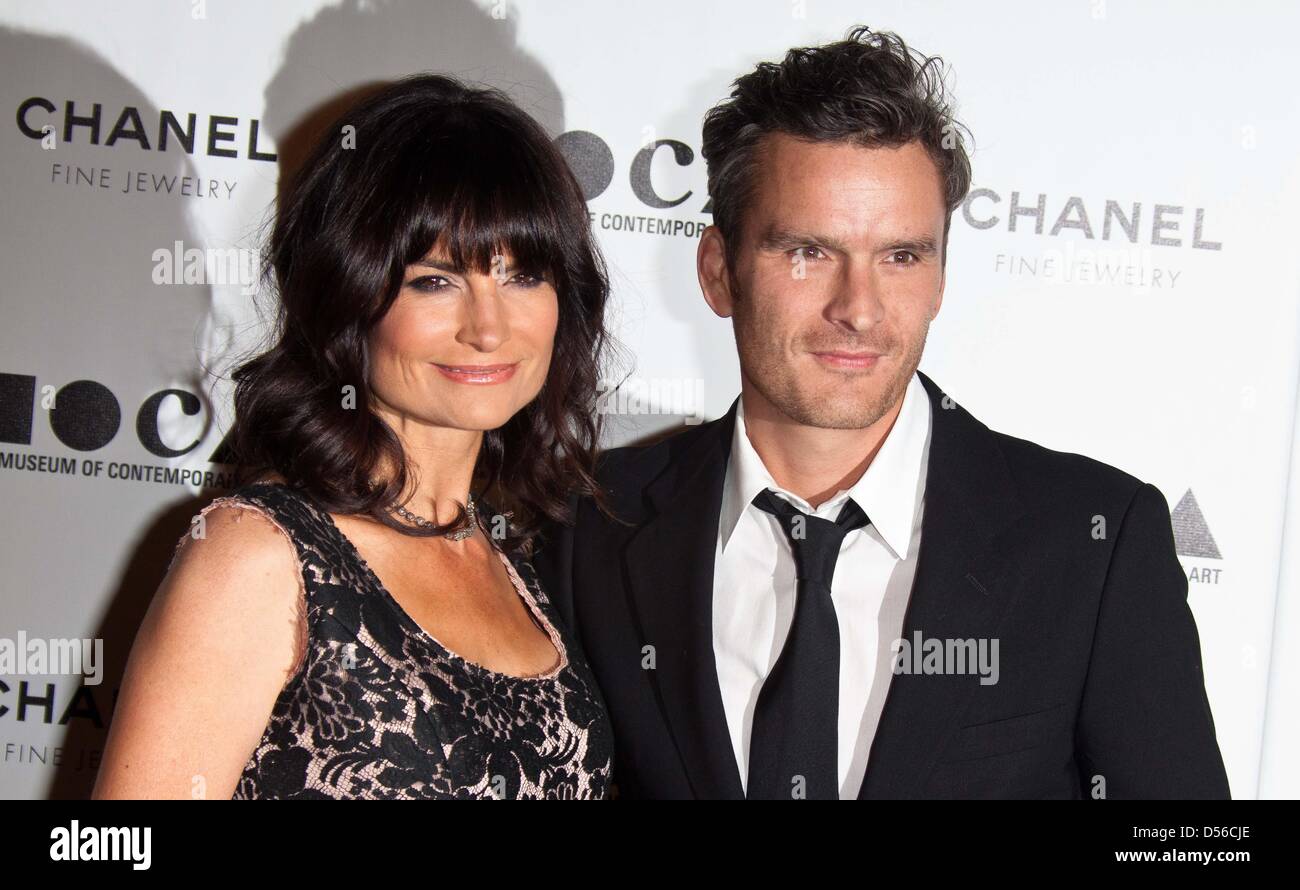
477, 373
848, 360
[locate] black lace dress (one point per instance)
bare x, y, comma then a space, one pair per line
378, 708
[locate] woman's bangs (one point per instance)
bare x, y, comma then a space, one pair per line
472, 209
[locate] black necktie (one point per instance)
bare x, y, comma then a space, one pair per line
793, 747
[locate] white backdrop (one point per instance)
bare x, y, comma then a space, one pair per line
1173, 355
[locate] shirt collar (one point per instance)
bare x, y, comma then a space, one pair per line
888, 490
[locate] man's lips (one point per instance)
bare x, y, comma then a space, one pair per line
478, 373
848, 360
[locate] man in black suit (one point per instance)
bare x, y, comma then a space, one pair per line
847, 586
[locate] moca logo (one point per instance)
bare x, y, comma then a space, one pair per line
592, 163
85, 415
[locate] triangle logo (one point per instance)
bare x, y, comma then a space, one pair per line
1191, 534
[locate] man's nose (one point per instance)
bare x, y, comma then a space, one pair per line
856, 300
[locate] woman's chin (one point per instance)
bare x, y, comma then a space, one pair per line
486, 415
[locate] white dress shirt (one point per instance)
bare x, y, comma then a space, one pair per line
754, 582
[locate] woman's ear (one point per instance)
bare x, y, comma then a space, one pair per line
711, 266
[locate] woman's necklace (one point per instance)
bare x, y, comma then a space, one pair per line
461, 535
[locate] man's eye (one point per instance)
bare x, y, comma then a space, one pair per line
908, 257
809, 252
428, 283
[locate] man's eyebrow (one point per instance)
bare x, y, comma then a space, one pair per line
788, 239
924, 245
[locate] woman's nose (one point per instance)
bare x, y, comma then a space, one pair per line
485, 326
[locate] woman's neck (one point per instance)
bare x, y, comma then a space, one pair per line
440, 461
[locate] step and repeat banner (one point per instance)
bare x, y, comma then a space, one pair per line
1122, 281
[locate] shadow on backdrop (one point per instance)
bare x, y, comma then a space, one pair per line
329, 62
84, 316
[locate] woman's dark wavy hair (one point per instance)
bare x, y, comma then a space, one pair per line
869, 88
429, 160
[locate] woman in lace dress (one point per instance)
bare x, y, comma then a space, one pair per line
359, 619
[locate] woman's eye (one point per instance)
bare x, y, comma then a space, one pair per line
523, 279
428, 283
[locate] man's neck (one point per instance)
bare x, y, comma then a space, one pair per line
811, 462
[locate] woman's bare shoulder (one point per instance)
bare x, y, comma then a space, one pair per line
222, 635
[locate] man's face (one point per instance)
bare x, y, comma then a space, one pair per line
837, 275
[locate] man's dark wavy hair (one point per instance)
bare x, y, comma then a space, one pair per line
870, 89
433, 159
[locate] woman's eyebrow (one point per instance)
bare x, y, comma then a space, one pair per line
439, 265
442, 265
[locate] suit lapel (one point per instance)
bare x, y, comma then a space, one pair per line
963, 586
668, 566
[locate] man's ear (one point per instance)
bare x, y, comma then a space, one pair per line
711, 266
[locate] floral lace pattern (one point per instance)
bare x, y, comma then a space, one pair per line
378, 708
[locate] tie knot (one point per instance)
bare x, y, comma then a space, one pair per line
814, 541
851, 515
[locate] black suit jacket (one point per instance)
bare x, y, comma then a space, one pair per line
1100, 688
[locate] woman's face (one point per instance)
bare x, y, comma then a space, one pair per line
460, 349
